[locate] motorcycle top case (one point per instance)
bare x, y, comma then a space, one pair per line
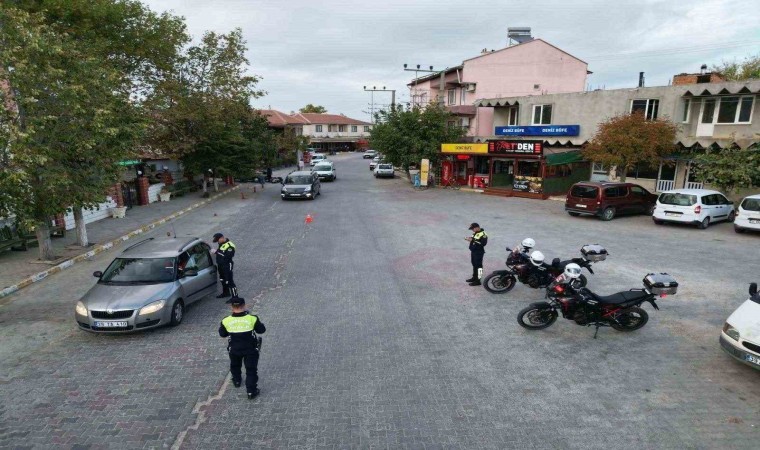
594, 252
661, 283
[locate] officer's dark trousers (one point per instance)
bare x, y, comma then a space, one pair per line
225, 276
477, 264
251, 360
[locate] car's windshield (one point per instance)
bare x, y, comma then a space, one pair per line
318, 157
385, 166
677, 199
323, 168
139, 270
584, 191
298, 179
751, 204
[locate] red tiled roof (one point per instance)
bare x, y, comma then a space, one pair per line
329, 119
279, 119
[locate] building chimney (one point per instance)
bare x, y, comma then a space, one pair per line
703, 69
641, 79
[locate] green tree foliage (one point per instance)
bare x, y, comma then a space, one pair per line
318, 109
629, 139
735, 70
288, 144
729, 168
405, 137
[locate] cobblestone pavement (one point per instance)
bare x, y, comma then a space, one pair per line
374, 340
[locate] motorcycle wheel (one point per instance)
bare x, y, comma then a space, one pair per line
499, 284
535, 318
582, 281
630, 319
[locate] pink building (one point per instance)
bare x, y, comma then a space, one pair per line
534, 67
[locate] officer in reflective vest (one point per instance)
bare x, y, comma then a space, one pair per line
224, 254
478, 242
241, 328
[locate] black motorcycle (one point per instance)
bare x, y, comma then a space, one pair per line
621, 311
520, 268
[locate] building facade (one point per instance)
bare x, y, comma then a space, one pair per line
335, 132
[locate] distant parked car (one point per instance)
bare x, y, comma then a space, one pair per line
384, 170
316, 158
369, 154
740, 336
147, 286
699, 207
375, 161
607, 200
748, 215
301, 184
325, 171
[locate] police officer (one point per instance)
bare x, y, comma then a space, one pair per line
241, 328
224, 254
478, 242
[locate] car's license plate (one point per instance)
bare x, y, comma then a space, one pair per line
580, 206
753, 359
754, 221
110, 324
672, 214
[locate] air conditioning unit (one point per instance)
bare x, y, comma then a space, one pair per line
471, 88
465, 121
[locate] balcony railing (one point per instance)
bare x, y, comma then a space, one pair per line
665, 185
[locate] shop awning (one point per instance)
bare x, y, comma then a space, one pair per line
557, 159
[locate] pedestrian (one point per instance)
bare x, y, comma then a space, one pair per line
478, 242
243, 345
269, 174
300, 164
224, 254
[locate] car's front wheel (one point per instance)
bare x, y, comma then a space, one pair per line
704, 224
732, 216
608, 213
178, 313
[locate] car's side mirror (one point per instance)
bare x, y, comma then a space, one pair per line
752, 289
97, 274
190, 272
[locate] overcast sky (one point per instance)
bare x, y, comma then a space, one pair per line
324, 52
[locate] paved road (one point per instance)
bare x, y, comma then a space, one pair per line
374, 340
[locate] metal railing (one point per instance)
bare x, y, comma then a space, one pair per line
694, 185
665, 185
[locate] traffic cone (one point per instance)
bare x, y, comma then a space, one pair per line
309, 219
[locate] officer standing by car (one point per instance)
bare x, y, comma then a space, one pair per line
241, 328
478, 242
224, 254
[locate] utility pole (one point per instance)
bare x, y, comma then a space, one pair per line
375, 89
441, 85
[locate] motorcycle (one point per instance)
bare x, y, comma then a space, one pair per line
622, 311
519, 268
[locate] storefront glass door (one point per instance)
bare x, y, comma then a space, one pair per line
502, 173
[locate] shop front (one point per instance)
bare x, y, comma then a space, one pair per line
465, 165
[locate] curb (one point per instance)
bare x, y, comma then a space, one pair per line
107, 246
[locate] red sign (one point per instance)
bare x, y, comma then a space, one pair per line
463, 157
446, 172
516, 147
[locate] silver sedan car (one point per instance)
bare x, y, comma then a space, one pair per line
147, 286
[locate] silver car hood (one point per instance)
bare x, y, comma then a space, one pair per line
296, 186
118, 297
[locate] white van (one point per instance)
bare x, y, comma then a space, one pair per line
700, 207
748, 215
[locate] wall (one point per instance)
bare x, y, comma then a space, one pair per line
100, 212
153, 192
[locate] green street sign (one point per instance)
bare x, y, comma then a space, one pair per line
129, 162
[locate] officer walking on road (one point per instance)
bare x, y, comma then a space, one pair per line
241, 328
478, 242
224, 254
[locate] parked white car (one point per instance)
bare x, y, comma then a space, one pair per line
384, 170
748, 214
700, 207
369, 154
325, 171
317, 158
375, 161
740, 337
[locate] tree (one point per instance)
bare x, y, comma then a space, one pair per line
629, 139
739, 70
405, 137
313, 109
288, 144
729, 168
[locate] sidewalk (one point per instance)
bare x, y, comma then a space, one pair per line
17, 266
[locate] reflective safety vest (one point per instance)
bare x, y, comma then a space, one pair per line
241, 324
226, 245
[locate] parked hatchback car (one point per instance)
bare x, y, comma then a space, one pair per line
740, 336
325, 171
369, 154
300, 184
748, 214
147, 286
317, 158
384, 170
700, 207
375, 161
608, 200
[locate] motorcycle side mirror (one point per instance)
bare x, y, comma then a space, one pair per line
753, 289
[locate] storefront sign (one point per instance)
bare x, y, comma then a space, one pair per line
540, 130
463, 157
446, 172
424, 171
516, 148
528, 184
129, 162
464, 148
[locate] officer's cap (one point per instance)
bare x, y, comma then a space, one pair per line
217, 236
236, 301
474, 225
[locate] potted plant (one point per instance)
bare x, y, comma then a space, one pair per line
119, 212
165, 194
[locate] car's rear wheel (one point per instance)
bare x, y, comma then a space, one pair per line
574, 214
650, 211
608, 213
178, 313
658, 222
738, 229
732, 216
704, 224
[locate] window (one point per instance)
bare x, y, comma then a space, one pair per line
735, 109
354, 128
342, 128
751, 204
513, 114
686, 107
709, 200
648, 107
366, 128
452, 97
708, 110
462, 96
721, 200
638, 190
643, 171
582, 191
618, 191
599, 168
332, 128
319, 128
678, 199
452, 123
196, 258
542, 114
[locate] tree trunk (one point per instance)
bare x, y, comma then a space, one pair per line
81, 228
205, 185
216, 184
46, 244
